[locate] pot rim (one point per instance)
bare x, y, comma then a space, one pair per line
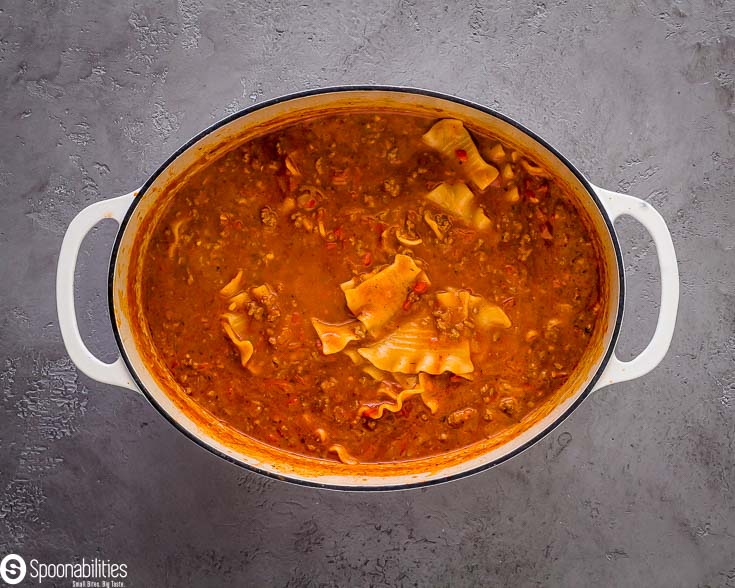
368, 88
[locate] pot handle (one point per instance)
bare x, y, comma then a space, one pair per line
618, 205
108, 373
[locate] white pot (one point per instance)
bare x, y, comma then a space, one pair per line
138, 369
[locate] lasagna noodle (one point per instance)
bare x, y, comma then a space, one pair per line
263, 293
489, 315
416, 346
464, 305
423, 388
233, 286
343, 455
335, 338
376, 300
376, 411
449, 137
244, 347
458, 200
176, 227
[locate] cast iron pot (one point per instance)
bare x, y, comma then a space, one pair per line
138, 369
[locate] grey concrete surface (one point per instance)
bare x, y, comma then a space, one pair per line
637, 488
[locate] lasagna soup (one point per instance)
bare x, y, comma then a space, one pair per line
371, 287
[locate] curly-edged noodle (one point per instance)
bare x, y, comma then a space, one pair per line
405, 380
490, 315
464, 305
449, 137
356, 358
456, 301
433, 225
408, 241
238, 322
291, 166
415, 346
343, 455
233, 286
496, 153
424, 388
376, 374
534, 170
263, 293
335, 338
376, 411
427, 395
378, 298
244, 347
176, 232
458, 200
369, 369
238, 301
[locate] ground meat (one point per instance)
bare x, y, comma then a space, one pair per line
392, 186
268, 216
443, 222
460, 417
445, 323
508, 405
328, 384
255, 310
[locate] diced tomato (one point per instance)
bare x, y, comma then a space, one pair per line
331, 246
367, 259
461, 155
311, 203
407, 305
281, 383
371, 412
421, 287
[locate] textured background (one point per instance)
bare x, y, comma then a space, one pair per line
636, 488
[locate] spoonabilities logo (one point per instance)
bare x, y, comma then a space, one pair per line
12, 569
